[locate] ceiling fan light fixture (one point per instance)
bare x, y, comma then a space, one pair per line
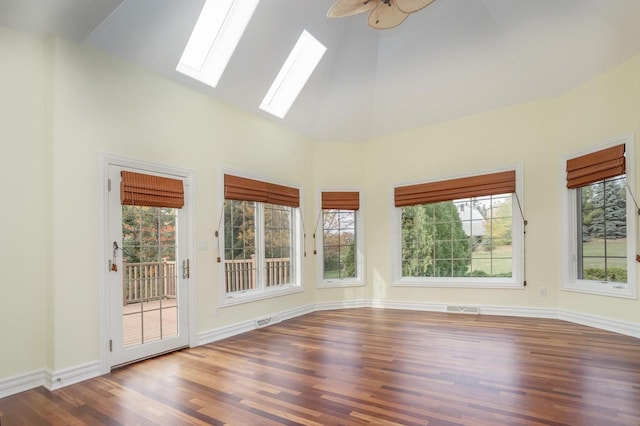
411, 6
386, 16
380, 17
343, 8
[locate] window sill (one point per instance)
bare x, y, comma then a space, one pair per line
458, 282
256, 295
602, 289
341, 283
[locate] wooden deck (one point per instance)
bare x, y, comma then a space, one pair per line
148, 321
366, 367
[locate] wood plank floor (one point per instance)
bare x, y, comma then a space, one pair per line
366, 366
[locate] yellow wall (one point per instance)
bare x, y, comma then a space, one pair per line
23, 176
603, 108
517, 135
63, 104
102, 105
538, 135
337, 166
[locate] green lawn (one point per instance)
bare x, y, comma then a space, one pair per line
331, 274
614, 248
500, 264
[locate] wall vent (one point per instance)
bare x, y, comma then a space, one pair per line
261, 323
462, 309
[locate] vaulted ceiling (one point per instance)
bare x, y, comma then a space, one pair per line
454, 58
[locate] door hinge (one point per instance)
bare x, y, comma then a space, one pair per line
185, 269
109, 185
110, 345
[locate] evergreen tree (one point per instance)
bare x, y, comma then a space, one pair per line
239, 229
148, 234
604, 210
433, 241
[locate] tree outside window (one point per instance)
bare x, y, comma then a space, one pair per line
602, 219
469, 237
339, 244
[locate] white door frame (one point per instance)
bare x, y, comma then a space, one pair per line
105, 161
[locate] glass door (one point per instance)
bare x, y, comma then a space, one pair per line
148, 278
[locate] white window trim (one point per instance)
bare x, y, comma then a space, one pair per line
360, 279
570, 281
230, 299
517, 279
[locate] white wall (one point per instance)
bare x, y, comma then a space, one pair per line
63, 104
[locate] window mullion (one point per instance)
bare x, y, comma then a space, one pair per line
260, 237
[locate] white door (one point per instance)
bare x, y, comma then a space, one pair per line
147, 278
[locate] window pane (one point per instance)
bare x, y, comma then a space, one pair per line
443, 268
481, 267
444, 249
466, 229
603, 231
239, 245
339, 243
277, 244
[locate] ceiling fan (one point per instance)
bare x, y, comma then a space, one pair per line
384, 14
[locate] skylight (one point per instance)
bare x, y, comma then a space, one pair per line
214, 39
295, 72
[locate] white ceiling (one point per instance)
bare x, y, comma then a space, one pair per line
454, 58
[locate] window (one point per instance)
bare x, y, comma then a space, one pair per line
459, 232
601, 221
341, 248
261, 247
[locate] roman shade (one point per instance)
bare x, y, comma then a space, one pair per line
244, 189
454, 189
341, 200
138, 189
597, 166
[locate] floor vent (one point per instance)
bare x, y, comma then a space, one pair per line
267, 321
461, 309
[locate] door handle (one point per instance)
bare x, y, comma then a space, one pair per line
185, 269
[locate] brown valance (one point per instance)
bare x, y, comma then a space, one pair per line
599, 165
137, 189
244, 189
454, 189
343, 200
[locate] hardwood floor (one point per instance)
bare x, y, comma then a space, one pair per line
366, 366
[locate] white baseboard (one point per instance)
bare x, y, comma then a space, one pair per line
68, 376
65, 377
21, 383
242, 327
343, 304
512, 311
622, 327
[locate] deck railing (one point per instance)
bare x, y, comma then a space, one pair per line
158, 280
149, 281
240, 274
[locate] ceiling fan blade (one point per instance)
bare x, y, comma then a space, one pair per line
386, 16
410, 6
343, 8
